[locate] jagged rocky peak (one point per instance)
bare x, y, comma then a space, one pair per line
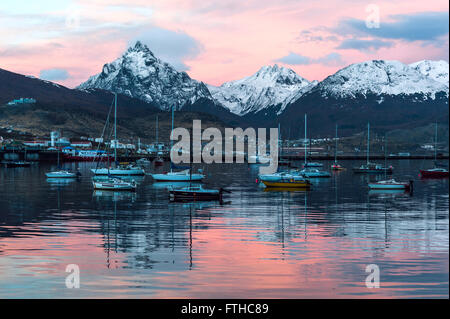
139, 73
271, 86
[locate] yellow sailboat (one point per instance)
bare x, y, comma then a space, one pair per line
285, 180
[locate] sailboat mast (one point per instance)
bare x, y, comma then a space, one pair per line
171, 143
156, 128
305, 139
368, 142
115, 128
279, 141
435, 143
335, 149
385, 158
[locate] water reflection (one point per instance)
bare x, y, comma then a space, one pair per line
262, 243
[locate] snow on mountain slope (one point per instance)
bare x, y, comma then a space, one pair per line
139, 74
270, 86
381, 77
437, 70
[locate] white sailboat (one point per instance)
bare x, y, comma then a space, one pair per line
62, 173
183, 176
368, 167
309, 169
390, 184
124, 170
336, 166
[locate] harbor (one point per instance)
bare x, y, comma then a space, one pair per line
258, 241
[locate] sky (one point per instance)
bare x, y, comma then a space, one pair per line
66, 41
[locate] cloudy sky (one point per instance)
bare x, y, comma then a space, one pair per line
215, 41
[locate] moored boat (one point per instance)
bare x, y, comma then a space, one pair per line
183, 176
437, 172
391, 184
17, 164
335, 166
373, 168
158, 161
195, 193
125, 170
314, 172
312, 164
115, 184
62, 174
285, 180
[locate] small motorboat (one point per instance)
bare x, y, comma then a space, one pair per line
158, 161
373, 168
337, 167
437, 172
313, 172
115, 184
392, 184
195, 193
143, 161
183, 176
62, 174
17, 164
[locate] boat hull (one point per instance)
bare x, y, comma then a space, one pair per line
358, 170
59, 175
388, 186
287, 184
118, 172
113, 187
17, 164
178, 195
433, 174
177, 178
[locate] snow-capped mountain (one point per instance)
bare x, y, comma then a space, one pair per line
139, 74
385, 93
271, 86
437, 70
380, 77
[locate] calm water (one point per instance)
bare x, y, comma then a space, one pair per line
257, 245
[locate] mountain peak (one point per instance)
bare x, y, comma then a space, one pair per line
139, 47
271, 86
382, 77
139, 74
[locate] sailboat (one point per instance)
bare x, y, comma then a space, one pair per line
371, 168
436, 172
121, 169
62, 173
335, 166
195, 192
158, 160
285, 180
390, 184
182, 176
309, 169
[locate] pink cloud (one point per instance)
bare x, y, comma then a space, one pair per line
236, 37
